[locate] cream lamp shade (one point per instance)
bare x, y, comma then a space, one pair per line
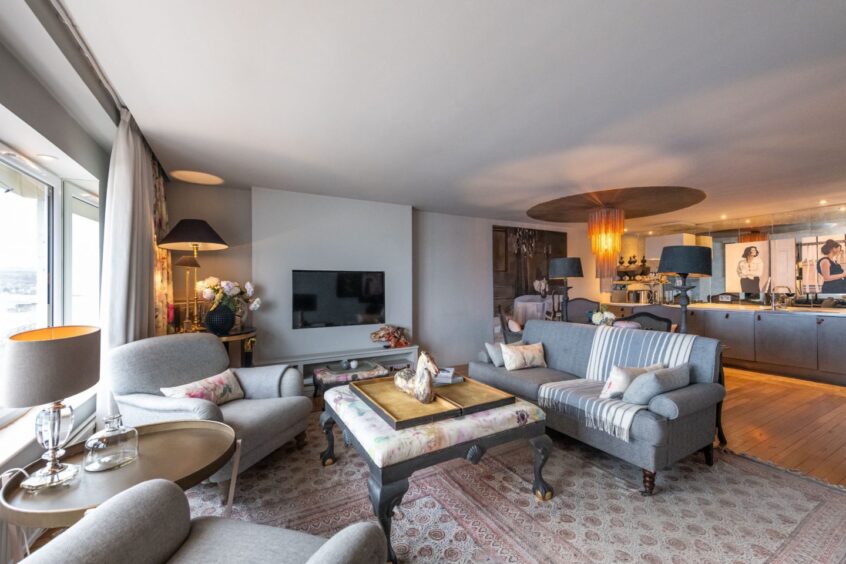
49, 365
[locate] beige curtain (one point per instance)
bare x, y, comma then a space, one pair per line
127, 311
163, 275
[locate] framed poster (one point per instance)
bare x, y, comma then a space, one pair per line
747, 267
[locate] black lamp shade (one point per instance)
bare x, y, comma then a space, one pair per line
567, 267
690, 260
188, 261
191, 232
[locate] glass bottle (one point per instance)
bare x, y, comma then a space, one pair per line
113, 447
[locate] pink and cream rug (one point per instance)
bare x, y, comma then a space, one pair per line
736, 511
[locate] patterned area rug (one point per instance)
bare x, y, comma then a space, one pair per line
738, 510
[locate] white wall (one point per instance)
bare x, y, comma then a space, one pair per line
453, 261
294, 231
229, 212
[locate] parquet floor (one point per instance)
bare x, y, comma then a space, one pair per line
792, 423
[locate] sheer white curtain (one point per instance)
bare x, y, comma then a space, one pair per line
127, 310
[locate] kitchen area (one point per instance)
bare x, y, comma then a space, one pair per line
777, 316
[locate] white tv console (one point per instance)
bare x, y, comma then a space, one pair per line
389, 358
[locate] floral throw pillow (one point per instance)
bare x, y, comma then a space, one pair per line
621, 377
219, 388
516, 357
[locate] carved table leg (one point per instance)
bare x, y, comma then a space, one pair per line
327, 457
648, 483
543, 446
708, 451
384, 498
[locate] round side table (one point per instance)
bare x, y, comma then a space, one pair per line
185, 452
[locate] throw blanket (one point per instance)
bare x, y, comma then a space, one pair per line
613, 346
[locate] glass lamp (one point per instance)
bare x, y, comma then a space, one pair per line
684, 261
46, 366
561, 269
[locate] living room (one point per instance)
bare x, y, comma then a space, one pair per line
367, 282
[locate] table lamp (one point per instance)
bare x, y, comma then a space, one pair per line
47, 366
193, 235
561, 269
684, 261
188, 262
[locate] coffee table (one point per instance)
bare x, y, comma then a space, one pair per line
394, 455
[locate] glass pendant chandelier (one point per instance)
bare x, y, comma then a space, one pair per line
605, 230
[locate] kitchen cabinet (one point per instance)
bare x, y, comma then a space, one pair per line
735, 330
831, 345
696, 322
785, 339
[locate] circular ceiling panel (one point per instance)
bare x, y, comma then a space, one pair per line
640, 201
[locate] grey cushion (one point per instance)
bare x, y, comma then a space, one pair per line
143, 409
494, 351
272, 381
566, 345
524, 383
687, 400
362, 543
214, 540
647, 386
147, 365
259, 422
146, 524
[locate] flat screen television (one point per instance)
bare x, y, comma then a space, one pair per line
337, 298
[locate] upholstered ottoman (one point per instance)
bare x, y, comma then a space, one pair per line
325, 378
394, 455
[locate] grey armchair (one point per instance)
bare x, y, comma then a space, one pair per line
151, 524
273, 412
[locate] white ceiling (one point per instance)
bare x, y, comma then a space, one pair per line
489, 107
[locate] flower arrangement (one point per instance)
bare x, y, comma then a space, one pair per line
602, 316
541, 287
227, 293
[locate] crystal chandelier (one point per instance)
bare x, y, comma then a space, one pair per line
605, 230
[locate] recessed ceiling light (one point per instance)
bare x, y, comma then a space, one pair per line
625, 229
842, 208
748, 221
724, 216
45, 157
823, 202
196, 177
650, 232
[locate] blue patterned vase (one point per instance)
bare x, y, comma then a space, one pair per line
220, 320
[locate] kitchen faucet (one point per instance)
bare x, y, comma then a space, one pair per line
775, 305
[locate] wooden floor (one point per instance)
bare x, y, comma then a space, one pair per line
792, 423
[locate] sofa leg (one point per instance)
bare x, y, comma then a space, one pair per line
223, 489
708, 451
301, 440
648, 483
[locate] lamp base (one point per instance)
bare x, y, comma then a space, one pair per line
59, 475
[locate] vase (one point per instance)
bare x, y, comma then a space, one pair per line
111, 448
220, 320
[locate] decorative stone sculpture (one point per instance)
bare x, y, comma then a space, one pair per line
419, 383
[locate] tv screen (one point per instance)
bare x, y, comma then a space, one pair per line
336, 298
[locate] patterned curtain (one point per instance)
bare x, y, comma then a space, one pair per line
163, 272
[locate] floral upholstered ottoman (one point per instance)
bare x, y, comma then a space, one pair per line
394, 455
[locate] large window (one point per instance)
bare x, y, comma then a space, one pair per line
25, 253
82, 259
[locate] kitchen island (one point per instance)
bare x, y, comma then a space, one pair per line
802, 342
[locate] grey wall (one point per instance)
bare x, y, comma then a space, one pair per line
453, 281
229, 212
294, 231
27, 98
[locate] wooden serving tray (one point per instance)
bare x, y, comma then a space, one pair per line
402, 411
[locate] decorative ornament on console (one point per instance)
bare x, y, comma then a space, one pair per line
419, 383
393, 337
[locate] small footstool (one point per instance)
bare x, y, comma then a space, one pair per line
394, 455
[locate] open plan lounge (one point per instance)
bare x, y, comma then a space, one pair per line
367, 281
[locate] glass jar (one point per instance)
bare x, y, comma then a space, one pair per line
113, 447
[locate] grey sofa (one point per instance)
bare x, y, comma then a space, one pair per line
274, 410
151, 523
675, 424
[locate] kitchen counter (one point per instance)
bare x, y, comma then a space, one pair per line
803, 342
839, 312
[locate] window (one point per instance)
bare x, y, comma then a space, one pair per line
25, 258
82, 257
